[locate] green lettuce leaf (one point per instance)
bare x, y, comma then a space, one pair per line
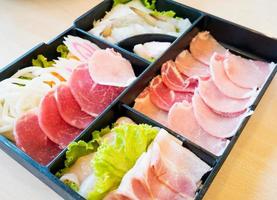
113, 160
116, 2
63, 50
158, 14
72, 185
150, 4
42, 61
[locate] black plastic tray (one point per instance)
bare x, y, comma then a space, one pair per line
240, 40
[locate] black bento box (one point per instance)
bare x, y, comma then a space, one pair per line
238, 39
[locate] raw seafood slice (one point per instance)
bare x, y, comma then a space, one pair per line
107, 67
203, 46
189, 66
70, 110
173, 79
144, 105
182, 120
92, 97
52, 124
30, 138
214, 124
163, 97
81, 48
221, 103
246, 73
223, 83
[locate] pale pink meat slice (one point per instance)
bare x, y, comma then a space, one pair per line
93, 98
52, 124
107, 67
81, 48
223, 83
31, 139
189, 66
69, 108
246, 73
219, 102
203, 46
181, 119
144, 105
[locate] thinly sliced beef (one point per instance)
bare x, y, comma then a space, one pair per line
203, 46
223, 83
246, 73
31, 139
214, 124
163, 97
189, 66
181, 119
93, 98
219, 102
69, 108
52, 123
173, 79
107, 67
81, 48
144, 105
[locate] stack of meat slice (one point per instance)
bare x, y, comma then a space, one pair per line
166, 171
205, 94
70, 107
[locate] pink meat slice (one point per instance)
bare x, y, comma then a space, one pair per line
93, 98
69, 108
223, 83
81, 48
189, 66
163, 97
175, 166
203, 46
107, 67
31, 139
245, 73
144, 105
214, 124
52, 124
219, 102
181, 119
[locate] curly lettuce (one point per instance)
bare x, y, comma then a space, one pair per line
150, 4
42, 61
159, 14
63, 50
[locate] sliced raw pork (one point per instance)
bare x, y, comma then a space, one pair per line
31, 139
144, 105
69, 108
53, 124
214, 124
203, 46
93, 98
107, 67
81, 48
189, 66
246, 73
181, 119
163, 97
223, 83
219, 102
173, 79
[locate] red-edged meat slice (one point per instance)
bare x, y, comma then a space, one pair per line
108, 67
221, 103
81, 48
53, 124
181, 119
69, 108
246, 73
214, 124
203, 46
31, 139
189, 66
93, 98
223, 83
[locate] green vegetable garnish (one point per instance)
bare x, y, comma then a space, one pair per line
25, 77
158, 14
151, 59
150, 4
63, 50
72, 185
42, 61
